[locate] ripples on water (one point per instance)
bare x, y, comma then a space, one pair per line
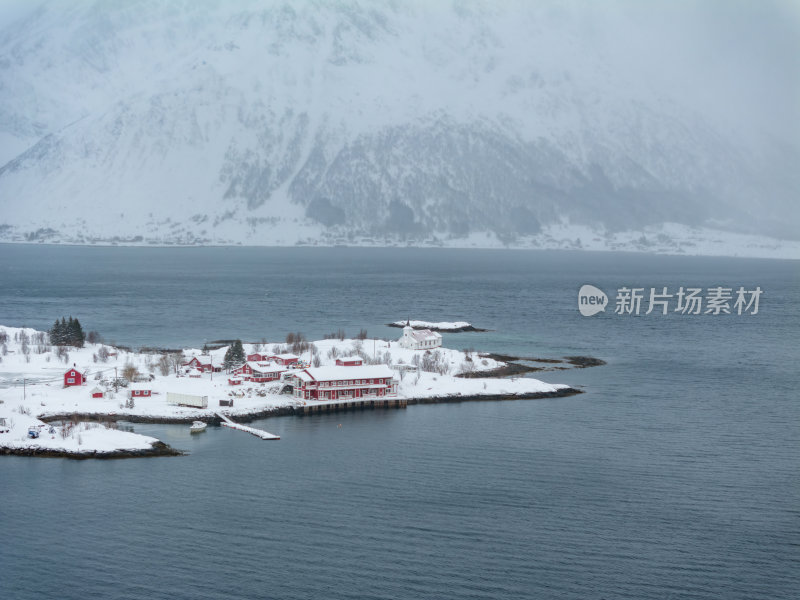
674, 476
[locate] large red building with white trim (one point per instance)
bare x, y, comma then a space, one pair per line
344, 383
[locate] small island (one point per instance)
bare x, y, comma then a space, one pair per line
441, 326
62, 400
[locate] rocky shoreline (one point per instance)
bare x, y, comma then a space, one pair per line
283, 411
513, 368
157, 449
562, 393
162, 449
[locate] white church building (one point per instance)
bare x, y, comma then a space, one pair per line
419, 339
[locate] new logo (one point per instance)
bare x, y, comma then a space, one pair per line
591, 300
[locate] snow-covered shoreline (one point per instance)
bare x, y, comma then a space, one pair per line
667, 239
43, 399
441, 326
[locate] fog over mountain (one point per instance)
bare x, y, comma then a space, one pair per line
581, 124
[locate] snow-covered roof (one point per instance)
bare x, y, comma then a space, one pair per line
336, 373
350, 358
421, 335
285, 356
266, 367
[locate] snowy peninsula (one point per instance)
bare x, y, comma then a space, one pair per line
59, 400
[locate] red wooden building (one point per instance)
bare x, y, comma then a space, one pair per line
256, 357
260, 372
349, 361
196, 363
284, 359
343, 383
74, 377
140, 393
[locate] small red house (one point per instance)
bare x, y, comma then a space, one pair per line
73, 377
234, 381
141, 393
97, 393
349, 361
284, 359
196, 363
256, 357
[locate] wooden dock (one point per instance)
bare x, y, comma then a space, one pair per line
260, 433
316, 408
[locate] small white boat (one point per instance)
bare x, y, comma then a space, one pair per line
197, 427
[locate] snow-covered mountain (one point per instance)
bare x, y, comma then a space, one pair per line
364, 122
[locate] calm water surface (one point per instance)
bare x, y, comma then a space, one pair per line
673, 476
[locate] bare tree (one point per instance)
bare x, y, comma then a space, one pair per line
102, 354
62, 354
467, 366
129, 372
163, 365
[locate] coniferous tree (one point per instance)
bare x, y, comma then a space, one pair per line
55, 334
235, 355
76, 336
67, 333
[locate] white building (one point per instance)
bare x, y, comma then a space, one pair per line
419, 339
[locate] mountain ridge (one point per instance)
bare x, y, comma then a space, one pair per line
332, 121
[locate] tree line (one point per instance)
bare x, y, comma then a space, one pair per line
67, 333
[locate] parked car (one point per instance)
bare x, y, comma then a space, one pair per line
33, 433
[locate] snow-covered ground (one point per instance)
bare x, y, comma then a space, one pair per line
43, 395
67, 438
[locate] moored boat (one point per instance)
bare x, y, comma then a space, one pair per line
197, 427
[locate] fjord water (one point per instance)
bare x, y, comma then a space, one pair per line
673, 476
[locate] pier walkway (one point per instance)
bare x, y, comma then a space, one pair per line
264, 435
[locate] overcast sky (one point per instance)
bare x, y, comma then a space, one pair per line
738, 59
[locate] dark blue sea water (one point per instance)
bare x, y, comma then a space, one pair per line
674, 476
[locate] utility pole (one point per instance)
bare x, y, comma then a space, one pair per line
116, 381
24, 396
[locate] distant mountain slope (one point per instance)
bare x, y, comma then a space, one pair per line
341, 122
